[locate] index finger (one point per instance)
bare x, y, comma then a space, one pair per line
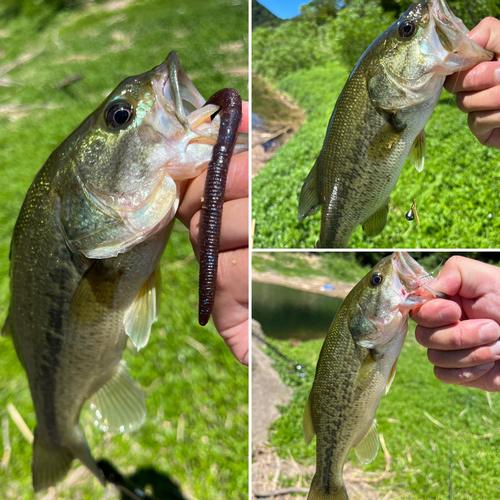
467, 278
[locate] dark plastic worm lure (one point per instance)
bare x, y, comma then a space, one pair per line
230, 117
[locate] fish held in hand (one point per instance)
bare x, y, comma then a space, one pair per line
86, 249
379, 120
356, 367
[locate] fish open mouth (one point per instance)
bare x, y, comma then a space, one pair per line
450, 34
414, 280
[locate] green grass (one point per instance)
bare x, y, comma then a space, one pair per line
422, 452
205, 386
455, 194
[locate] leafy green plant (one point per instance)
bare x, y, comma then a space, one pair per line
294, 44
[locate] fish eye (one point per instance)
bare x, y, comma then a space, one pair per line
376, 279
407, 29
118, 114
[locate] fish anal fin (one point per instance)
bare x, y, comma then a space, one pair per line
308, 199
119, 405
391, 377
307, 424
417, 151
49, 465
366, 450
374, 224
143, 311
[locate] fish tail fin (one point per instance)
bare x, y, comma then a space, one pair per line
49, 464
333, 492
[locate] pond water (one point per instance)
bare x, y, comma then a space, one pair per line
286, 313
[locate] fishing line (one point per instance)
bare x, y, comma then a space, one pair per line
298, 366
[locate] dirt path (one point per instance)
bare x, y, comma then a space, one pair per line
314, 284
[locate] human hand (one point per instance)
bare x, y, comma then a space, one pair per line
230, 312
462, 333
478, 89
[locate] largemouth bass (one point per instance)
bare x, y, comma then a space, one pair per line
379, 120
86, 249
356, 367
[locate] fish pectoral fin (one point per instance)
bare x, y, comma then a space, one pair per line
417, 151
366, 450
144, 311
307, 424
95, 294
391, 377
119, 405
308, 199
49, 465
366, 368
377, 221
384, 144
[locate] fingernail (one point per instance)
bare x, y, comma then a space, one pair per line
489, 332
449, 315
495, 349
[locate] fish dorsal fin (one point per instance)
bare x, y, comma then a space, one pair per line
308, 200
119, 405
307, 424
391, 377
144, 310
367, 448
377, 221
417, 151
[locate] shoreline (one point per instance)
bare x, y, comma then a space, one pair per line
313, 285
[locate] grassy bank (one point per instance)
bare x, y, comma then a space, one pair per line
194, 442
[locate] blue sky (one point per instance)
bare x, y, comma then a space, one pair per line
284, 8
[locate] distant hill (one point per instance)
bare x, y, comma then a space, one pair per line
262, 16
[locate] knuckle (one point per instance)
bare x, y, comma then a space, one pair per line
455, 339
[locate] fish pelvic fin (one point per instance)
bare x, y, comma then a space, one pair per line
49, 464
307, 424
308, 199
366, 450
377, 221
332, 492
417, 151
144, 311
119, 405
